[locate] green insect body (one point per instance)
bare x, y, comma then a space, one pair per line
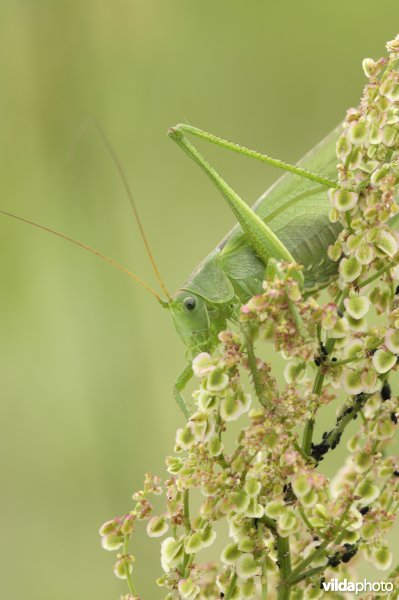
296, 210
289, 222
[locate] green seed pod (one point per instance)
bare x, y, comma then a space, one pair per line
185, 438
357, 306
362, 461
334, 251
174, 465
309, 499
254, 510
358, 132
230, 554
344, 200
287, 522
217, 381
321, 511
393, 93
350, 537
383, 103
123, 566
109, 527
248, 589
364, 253
392, 340
202, 364
208, 536
389, 135
383, 361
230, 408
357, 325
383, 430
112, 541
294, 371
246, 566
386, 468
369, 67
387, 243
349, 269
351, 382
375, 137
343, 148
333, 215
157, 526
393, 46
340, 329
274, 508
301, 485
356, 519
205, 401
353, 348
367, 491
369, 530
239, 501
127, 527
272, 440
356, 158
193, 543
329, 318
188, 590
252, 487
171, 553
247, 544
370, 382
381, 557
353, 241
215, 447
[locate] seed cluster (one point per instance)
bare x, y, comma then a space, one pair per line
288, 525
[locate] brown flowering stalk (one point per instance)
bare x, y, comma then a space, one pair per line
288, 526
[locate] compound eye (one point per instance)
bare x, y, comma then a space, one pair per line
190, 303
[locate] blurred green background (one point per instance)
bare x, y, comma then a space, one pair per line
87, 358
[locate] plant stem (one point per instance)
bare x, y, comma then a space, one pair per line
331, 440
319, 551
358, 356
317, 387
186, 510
306, 520
309, 573
270, 523
378, 274
128, 574
284, 559
318, 384
346, 361
297, 318
305, 456
231, 587
252, 363
264, 580
187, 558
188, 563
260, 527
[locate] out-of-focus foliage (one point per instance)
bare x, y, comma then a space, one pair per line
88, 359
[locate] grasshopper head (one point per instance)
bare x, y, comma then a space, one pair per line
191, 319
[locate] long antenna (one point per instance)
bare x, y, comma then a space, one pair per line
104, 257
126, 185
